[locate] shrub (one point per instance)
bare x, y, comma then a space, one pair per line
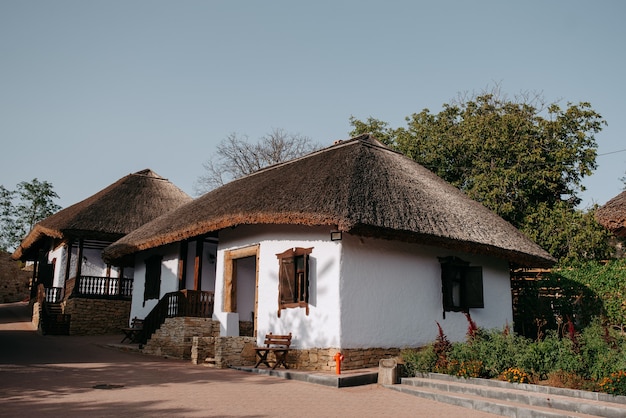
549, 355
594, 359
496, 350
420, 361
602, 351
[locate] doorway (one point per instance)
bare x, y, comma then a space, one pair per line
241, 287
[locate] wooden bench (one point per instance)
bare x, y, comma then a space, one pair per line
277, 344
133, 332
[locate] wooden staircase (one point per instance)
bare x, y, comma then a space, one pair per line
191, 303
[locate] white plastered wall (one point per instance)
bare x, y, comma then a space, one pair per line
169, 278
60, 254
320, 328
391, 294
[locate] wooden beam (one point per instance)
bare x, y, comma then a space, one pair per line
182, 265
197, 268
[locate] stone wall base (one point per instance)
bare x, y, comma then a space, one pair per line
223, 352
97, 316
354, 358
174, 338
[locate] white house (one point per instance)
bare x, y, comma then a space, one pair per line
354, 247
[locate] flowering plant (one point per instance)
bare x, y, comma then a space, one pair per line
515, 375
615, 383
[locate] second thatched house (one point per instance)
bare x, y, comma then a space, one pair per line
79, 291
612, 215
353, 248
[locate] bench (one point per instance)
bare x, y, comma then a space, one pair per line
277, 344
133, 333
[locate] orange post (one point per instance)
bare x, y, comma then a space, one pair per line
338, 359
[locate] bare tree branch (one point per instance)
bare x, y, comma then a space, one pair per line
237, 157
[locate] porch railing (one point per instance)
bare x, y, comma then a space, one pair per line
104, 287
53, 294
194, 303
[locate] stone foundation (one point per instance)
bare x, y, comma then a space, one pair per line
97, 316
198, 339
175, 337
223, 352
235, 351
354, 358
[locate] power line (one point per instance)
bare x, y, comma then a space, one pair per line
612, 152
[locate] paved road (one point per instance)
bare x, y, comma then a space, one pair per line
61, 376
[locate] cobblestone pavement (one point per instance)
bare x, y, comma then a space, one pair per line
61, 376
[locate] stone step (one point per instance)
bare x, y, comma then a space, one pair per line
514, 400
210, 362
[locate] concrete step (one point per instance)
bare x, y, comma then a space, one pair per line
513, 400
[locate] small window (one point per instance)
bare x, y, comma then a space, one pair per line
153, 278
293, 279
462, 285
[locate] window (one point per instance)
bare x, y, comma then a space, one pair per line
462, 285
293, 279
153, 278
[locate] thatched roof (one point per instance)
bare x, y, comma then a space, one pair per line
613, 215
109, 214
358, 186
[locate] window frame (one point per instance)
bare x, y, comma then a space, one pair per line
461, 285
295, 278
152, 282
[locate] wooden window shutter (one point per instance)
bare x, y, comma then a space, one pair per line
293, 278
287, 285
473, 291
152, 289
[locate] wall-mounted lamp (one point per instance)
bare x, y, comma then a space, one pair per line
335, 235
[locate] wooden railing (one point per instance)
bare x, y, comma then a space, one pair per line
194, 303
104, 287
53, 294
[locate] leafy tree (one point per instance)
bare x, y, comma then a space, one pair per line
517, 157
22, 208
237, 157
568, 234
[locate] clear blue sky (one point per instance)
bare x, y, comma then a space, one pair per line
93, 90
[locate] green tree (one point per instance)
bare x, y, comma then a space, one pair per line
22, 208
236, 156
514, 156
569, 234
